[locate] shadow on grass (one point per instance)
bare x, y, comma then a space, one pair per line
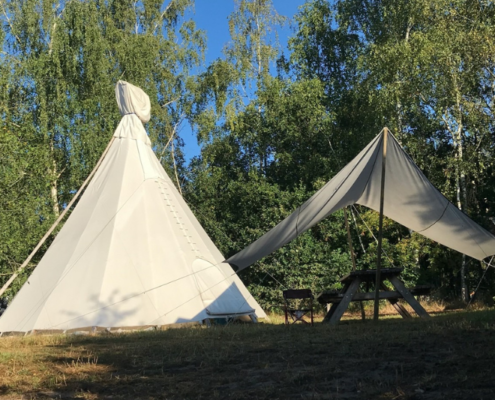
447, 357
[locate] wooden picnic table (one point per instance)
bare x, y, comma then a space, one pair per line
340, 300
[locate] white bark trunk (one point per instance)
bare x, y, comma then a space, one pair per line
460, 177
54, 184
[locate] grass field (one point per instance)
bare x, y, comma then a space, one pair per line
451, 356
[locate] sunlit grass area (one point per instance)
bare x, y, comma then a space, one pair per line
449, 356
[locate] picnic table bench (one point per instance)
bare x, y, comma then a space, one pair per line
340, 300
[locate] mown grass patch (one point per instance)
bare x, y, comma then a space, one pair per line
449, 356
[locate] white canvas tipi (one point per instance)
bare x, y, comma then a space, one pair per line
132, 253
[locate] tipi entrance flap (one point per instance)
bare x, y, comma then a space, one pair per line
409, 198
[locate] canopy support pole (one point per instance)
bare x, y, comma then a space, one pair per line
380, 228
61, 216
349, 240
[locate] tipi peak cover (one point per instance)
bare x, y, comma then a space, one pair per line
131, 253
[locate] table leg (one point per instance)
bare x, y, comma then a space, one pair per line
331, 309
344, 303
330, 312
398, 307
408, 297
363, 314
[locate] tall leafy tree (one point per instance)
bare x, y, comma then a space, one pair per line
422, 69
265, 150
427, 64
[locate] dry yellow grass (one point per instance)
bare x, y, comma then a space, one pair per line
386, 310
446, 357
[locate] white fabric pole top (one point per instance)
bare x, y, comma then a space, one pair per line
133, 100
410, 199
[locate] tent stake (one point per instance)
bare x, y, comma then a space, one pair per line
61, 216
380, 228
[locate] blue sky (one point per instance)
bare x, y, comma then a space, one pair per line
211, 16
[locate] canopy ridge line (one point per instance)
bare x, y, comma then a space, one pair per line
341, 183
299, 209
380, 226
418, 170
55, 224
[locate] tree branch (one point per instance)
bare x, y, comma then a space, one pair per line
170, 102
174, 131
163, 14
175, 170
10, 23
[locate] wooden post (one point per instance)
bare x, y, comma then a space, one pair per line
340, 308
61, 216
349, 240
380, 227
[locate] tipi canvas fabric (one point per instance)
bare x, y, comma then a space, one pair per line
132, 253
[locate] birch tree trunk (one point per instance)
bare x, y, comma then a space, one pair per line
461, 197
461, 194
54, 182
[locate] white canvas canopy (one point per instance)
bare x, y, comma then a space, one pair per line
132, 253
409, 198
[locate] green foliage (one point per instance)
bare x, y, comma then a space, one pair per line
244, 209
